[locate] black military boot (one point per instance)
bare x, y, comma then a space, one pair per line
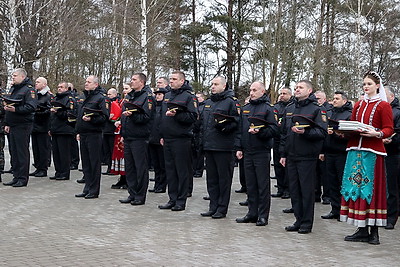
120, 184
374, 236
361, 235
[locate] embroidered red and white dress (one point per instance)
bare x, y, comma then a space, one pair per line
364, 179
117, 159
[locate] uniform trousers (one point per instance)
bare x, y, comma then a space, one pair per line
301, 174
91, 161
41, 150
61, 145
321, 185
219, 170
108, 146
392, 178
258, 183
74, 152
178, 167
2, 144
157, 155
136, 168
19, 137
334, 173
198, 160
281, 180
242, 175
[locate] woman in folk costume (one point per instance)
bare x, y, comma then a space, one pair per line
118, 162
364, 178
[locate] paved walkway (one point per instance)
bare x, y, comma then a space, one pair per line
45, 225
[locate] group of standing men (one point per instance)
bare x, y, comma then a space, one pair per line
296, 128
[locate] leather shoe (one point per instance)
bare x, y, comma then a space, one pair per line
189, 195
157, 191
241, 190
244, 203
292, 228
41, 174
152, 190
53, 177
81, 195
62, 178
19, 184
167, 206
12, 182
208, 213
218, 215
285, 195
330, 215
261, 222
178, 208
246, 219
73, 167
137, 202
33, 173
206, 198
277, 195
91, 196
288, 210
326, 201
81, 181
304, 231
389, 226
126, 201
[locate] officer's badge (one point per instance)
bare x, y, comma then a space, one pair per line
276, 117
150, 104
323, 115
33, 94
238, 108
195, 103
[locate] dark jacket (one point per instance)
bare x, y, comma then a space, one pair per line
220, 136
262, 141
25, 110
305, 146
279, 110
155, 134
109, 127
393, 148
41, 121
59, 119
94, 99
180, 125
335, 144
138, 125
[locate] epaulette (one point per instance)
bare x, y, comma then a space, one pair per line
149, 94
30, 86
271, 105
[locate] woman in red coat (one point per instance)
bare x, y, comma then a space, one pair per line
364, 178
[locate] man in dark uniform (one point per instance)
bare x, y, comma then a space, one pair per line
74, 145
259, 126
41, 127
108, 132
220, 125
285, 97
20, 111
335, 153
321, 183
92, 115
137, 118
179, 112
198, 151
63, 118
155, 148
392, 162
301, 143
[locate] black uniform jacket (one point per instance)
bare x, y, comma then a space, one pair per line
59, 120
94, 99
393, 148
305, 146
334, 143
220, 136
109, 127
279, 109
180, 125
262, 141
155, 134
25, 110
138, 125
41, 121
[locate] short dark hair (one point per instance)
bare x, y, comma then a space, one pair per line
142, 77
180, 73
344, 95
